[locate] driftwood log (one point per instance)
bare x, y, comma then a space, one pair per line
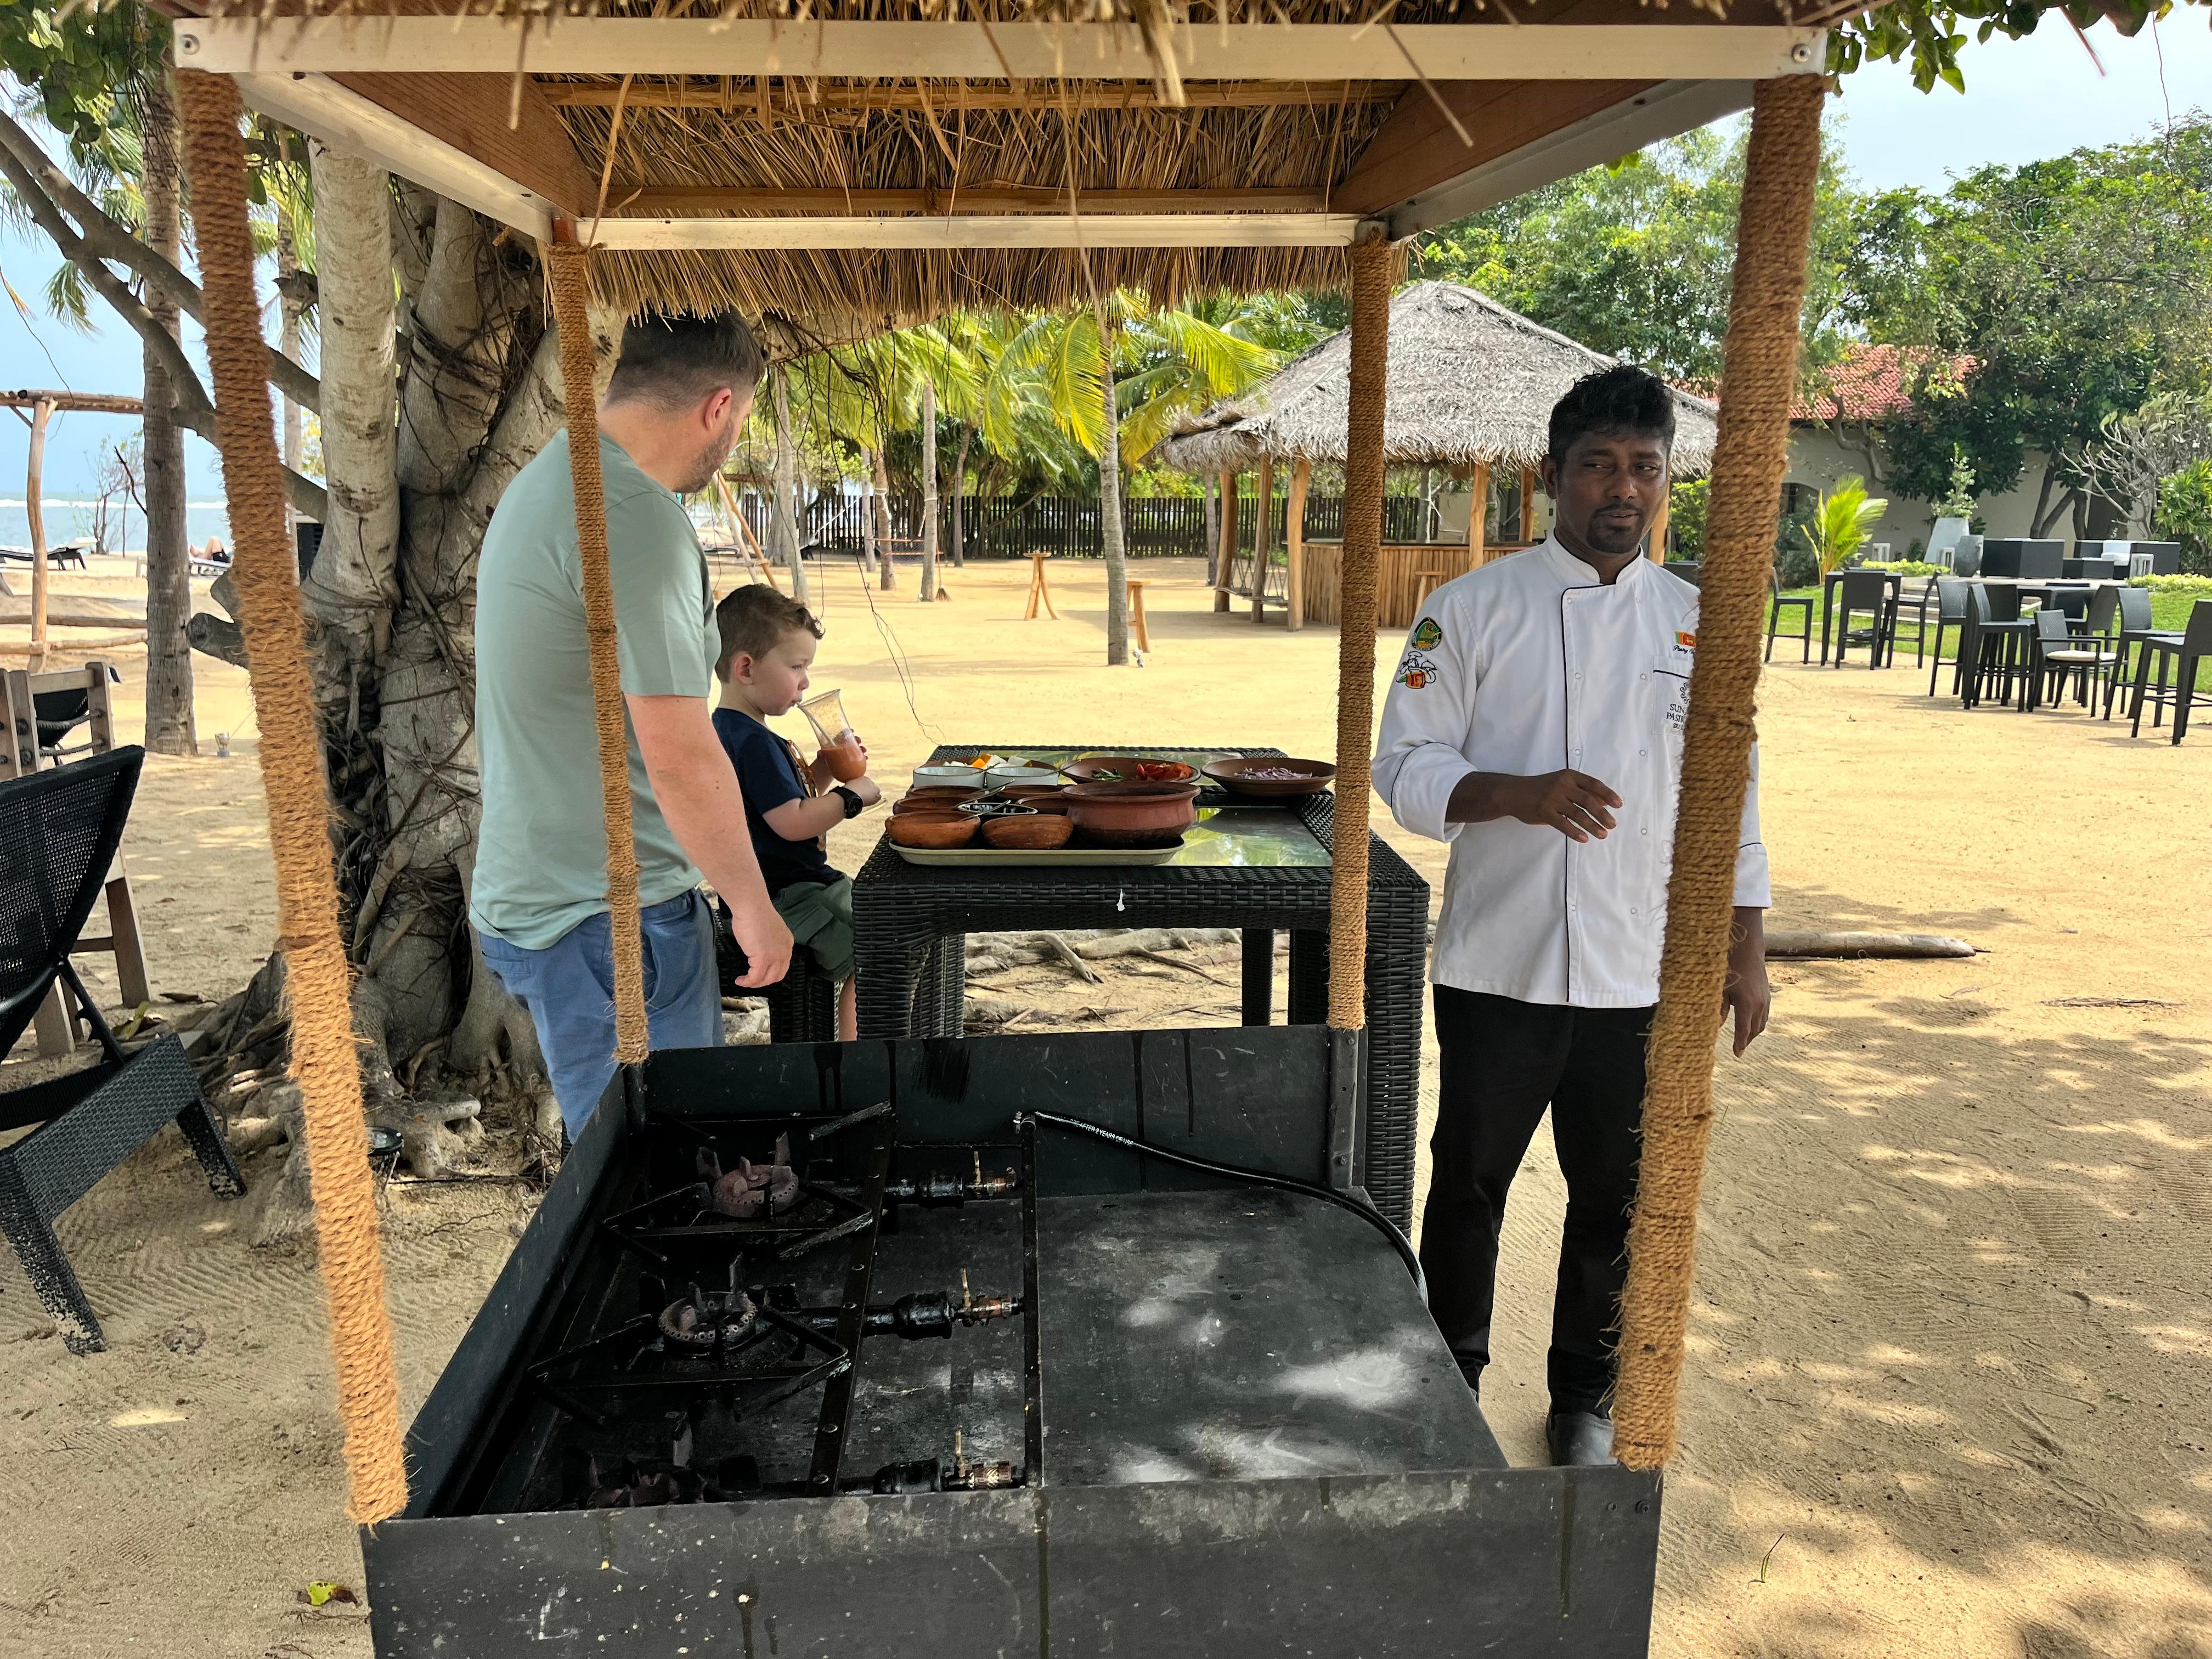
1806, 946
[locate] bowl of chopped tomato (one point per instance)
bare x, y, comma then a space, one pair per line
1130, 770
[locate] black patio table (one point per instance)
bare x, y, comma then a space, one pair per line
1256, 868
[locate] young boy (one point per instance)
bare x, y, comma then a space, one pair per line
767, 645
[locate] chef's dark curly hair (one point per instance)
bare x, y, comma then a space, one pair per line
1622, 399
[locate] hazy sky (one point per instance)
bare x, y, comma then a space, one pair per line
2024, 100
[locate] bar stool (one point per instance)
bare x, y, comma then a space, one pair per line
1137, 612
2183, 653
1950, 612
1426, 580
1777, 603
1039, 593
2134, 626
1990, 650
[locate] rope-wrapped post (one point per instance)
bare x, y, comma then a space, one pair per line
1758, 377
1372, 264
324, 1058
569, 266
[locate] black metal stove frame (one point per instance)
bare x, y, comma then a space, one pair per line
1238, 1434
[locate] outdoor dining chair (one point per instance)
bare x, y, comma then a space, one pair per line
1867, 591
2183, 653
2125, 630
2055, 652
59, 832
1992, 650
1951, 598
1777, 603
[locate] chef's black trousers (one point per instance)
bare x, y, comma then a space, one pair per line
1503, 1062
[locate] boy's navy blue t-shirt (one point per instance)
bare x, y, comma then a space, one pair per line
768, 777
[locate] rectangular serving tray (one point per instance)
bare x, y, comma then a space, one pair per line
957, 857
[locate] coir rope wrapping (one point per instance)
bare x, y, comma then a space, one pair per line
324, 1059
1372, 265
569, 265
1758, 377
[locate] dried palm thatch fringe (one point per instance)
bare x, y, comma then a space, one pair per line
1372, 266
1470, 381
566, 265
324, 1059
1759, 368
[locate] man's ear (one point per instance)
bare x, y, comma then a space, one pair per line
1548, 470
716, 408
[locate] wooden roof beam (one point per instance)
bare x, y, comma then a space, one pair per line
979, 231
357, 45
791, 98
655, 200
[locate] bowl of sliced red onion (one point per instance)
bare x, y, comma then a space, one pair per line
1270, 777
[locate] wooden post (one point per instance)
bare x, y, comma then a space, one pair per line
1478, 514
41, 412
1656, 549
1528, 503
1301, 480
1759, 370
1228, 559
1372, 264
1263, 534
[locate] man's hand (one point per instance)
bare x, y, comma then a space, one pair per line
1573, 803
1748, 995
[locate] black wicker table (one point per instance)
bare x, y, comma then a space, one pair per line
911, 925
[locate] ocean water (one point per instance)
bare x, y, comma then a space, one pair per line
67, 518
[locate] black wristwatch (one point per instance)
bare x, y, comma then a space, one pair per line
854, 805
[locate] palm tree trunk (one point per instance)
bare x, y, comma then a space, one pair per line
960, 498
868, 520
784, 526
1213, 531
887, 577
169, 727
927, 591
1109, 501
289, 309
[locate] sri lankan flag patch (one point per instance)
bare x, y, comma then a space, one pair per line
1685, 641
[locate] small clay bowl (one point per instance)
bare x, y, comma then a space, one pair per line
931, 830
934, 801
1030, 831
1044, 797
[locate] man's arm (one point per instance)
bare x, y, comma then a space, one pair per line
1573, 803
698, 794
1748, 995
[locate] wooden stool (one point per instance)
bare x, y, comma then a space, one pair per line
1039, 593
1137, 613
1426, 581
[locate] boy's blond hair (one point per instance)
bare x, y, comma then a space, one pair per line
754, 620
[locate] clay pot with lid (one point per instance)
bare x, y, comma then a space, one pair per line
1149, 815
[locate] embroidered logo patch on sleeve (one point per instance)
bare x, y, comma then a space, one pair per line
1415, 670
1427, 636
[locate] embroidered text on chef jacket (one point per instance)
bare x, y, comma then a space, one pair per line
1525, 666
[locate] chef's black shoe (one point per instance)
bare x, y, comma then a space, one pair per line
1579, 1439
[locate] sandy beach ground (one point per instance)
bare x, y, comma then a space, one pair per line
1947, 1389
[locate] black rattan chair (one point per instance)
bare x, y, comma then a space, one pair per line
802, 1005
2125, 632
1993, 651
1867, 591
59, 830
2055, 652
2183, 653
1777, 603
1950, 612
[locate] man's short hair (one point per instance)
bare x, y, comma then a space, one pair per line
754, 620
675, 362
1622, 399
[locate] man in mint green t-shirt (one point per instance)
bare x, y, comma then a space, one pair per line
538, 894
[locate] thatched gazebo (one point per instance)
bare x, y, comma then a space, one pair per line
1471, 389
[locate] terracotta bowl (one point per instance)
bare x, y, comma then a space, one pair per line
1045, 796
1230, 774
1111, 815
1087, 769
934, 801
1030, 831
932, 829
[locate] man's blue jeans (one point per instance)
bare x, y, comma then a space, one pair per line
569, 989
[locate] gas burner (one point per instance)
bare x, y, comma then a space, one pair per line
750, 1189
707, 1319
637, 1483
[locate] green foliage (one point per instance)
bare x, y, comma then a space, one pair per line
1957, 501
2184, 585
1840, 524
1929, 33
1635, 259
2184, 512
1688, 507
1902, 567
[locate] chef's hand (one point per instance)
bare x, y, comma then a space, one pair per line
1748, 995
1573, 803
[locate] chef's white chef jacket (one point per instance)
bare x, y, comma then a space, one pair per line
1526, 665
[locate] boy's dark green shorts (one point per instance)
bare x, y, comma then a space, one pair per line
821, 918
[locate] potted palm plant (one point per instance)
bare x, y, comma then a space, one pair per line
1840, 524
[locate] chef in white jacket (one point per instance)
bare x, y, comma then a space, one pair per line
1535, 724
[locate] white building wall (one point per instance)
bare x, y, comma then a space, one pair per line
1821, 458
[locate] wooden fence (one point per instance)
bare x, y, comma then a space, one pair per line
1011, 527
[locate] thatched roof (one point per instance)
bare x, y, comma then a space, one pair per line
1469, 381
